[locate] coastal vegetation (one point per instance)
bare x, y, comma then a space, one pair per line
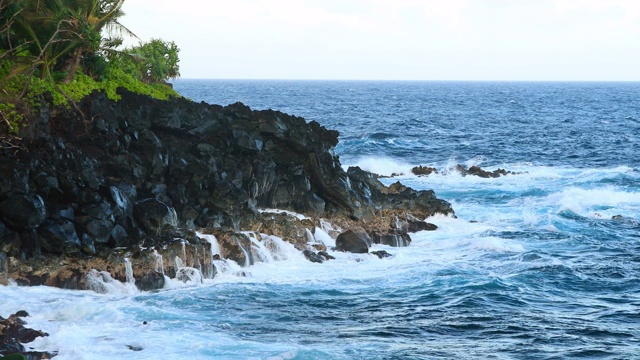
59, 51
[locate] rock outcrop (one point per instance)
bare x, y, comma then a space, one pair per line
464, 171
13, 333
94, 184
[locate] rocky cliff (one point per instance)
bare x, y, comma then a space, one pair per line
109, 185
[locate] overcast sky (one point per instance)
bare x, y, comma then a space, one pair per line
397, 39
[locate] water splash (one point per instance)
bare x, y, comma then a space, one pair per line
159, 262
129, 271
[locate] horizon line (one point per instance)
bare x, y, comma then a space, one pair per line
407, 80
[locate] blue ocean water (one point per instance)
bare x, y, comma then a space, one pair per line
540, 265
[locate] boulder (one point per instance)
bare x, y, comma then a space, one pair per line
415, 225
354, 242
155, 216
59, 237
313, 257
381, 254
423, 170
151, 280
23, 212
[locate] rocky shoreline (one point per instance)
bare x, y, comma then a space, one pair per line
106, 190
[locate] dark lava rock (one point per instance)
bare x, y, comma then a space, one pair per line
395, 240
419, 225
478, 171
381, 254
13, 333
59, 237
152, 280
23, 212
313, 257
155, 215
424, 170
326, 255
9, 240
354, 242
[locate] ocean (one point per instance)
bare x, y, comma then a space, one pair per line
544, 264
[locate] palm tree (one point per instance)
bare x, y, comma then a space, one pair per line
58, 33
90, 18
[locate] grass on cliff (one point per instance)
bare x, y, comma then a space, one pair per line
22, 94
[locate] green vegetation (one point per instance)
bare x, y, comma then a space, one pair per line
69, 48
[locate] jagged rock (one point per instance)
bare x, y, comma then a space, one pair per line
478, 171
353, 241
13, 333
326, 255
4, 269
395, 240
155, 215
121, 200
59, 237
381, 254
143, 168
423, 170
415, 225
9, 240
313, 257
23, 212
30, 244
152, 280
119, 236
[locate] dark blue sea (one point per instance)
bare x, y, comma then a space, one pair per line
544, 264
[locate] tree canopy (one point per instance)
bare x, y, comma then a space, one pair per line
72, 47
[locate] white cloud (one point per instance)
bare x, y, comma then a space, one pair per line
420, 39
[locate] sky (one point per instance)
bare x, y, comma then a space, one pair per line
502, 40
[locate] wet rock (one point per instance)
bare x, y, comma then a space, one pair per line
30, 244
478, 171
119, 236
97, 221
144, 168
59, 237
381, 254
395, 240
152, 280
353, 241
4, 269
9, 240
326, 255
23, 212
13, 333
424, 170
313, 257
155, 215
415, 225
188, 274
121, 200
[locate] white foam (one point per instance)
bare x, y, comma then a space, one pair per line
324, 238
383, 166
279, 211
596, 203
103, 283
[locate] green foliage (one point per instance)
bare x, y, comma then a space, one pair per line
12, 119
158, 60
56, 50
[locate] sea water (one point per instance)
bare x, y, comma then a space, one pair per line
540, 265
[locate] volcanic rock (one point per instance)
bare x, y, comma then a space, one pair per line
354, 242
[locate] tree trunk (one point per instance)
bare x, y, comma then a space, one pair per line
73, 68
